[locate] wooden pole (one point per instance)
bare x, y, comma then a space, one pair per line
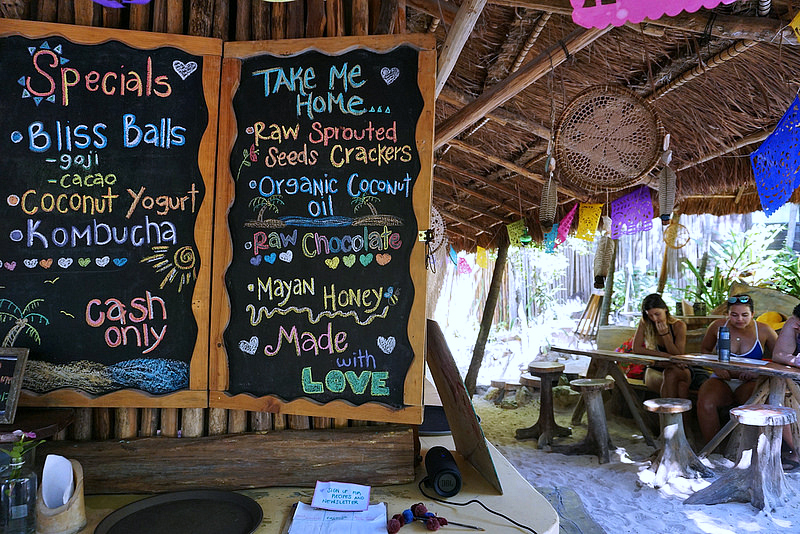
488, 313
662, 277
608, 293
459, 32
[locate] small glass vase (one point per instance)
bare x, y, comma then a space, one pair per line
17, 498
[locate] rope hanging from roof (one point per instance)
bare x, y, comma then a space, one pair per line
607, 138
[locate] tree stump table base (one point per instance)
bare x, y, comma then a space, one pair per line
758, 477
676, 457
597, 440
545, 428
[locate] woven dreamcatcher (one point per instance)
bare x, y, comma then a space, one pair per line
607, 138
676, 235
438, 229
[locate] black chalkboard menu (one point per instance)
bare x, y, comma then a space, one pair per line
102, 136
330, 170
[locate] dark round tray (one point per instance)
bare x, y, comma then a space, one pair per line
186, 512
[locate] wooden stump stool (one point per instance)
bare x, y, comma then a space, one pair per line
546, 427
758, 477
676, 457
597, 440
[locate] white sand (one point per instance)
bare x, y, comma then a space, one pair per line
614, 494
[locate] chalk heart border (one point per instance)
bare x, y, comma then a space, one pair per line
46, 263
270, 258
64, 262
31, 263
10, 265
383, 259
184, 70
389, 75
119, 262
255, 261
365, 259
332, 262
83, 262
386, 344
102, 262
349, 260
249, 347
286, 256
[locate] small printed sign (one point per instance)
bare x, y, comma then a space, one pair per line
340, 496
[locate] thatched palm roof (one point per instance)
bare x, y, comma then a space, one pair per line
719, 81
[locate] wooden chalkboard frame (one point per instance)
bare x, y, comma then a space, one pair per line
18, 356
211, 50
234, 53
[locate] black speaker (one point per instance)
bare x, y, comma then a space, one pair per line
443, 473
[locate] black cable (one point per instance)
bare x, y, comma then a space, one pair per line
431, 497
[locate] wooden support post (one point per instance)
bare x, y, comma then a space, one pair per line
148, 422
169, 422
217, 421
82, 427
237, 421
488, 313
260, 421
125, 422
192, 422
101, 424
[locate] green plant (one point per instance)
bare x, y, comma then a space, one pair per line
712, 291
21, 447
787, 271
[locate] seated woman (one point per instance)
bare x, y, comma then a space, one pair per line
660, 334
787, 351
749, 339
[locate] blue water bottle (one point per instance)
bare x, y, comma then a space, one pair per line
724, 344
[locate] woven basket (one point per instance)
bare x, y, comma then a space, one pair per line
607, 138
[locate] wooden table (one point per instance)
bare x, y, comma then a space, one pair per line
774, 381
609, 361
519, 500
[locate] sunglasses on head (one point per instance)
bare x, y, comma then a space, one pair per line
741, 299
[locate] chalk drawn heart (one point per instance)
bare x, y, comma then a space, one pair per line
250, 347
365, 259
390, 75
1, 264
11, 265
255, 260
64, 262
46, 263
349, 260
270, 258
383, 259
332, 262
102, 262
83, 262
386, 344
286, 256
30, 264
119, 262
184, 69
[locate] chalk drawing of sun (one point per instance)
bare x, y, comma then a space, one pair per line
180, 266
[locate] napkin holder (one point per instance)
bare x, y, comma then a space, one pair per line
68, 518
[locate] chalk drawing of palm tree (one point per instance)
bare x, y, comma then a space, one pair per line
22, 319
263, 204
365, 200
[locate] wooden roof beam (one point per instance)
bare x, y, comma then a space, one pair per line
470, 207
496, 185
498, 115
495, 97
753, 138
510, 165
447, 215
497, 204
457, 35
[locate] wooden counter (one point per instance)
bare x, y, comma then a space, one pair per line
519, 500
